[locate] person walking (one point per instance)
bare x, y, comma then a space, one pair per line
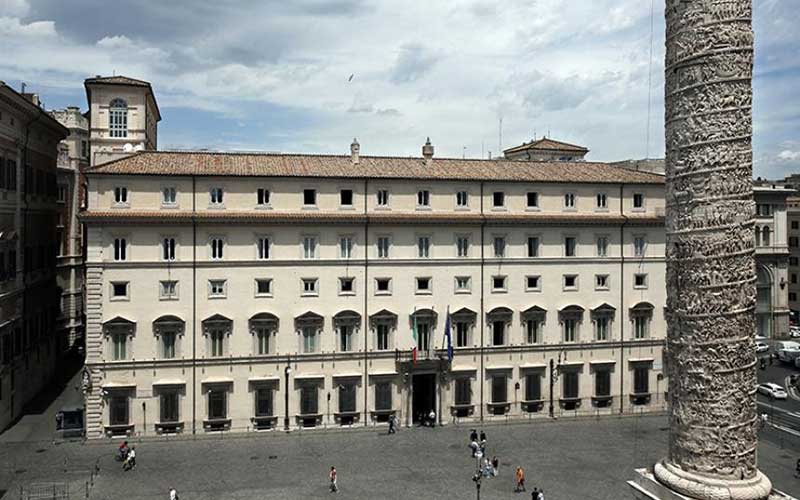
173, 495
392, 430
483, 436
130, 461
520, 476
332, 476
541, 495
535, 494
432, 418
495, 465
473, 435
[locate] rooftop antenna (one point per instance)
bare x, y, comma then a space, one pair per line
22, 86
464, 153
548, 131
482, 151
534, 133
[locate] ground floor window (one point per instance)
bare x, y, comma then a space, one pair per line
641, 380
308, 400
463, 392
570, 385
533, 387
383, 396
499, 391
264, 402
169, 407
347, 398
602, 383
217, 404
118, 409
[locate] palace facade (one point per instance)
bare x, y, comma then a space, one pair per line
262, 291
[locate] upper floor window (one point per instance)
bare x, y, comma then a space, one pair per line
309, 197
383, 197
345, 247
118, 118
84, 149
462, 199
570, 246
309, 247
498, 199
120, 249
216, 194
639, 246
217, 246
533, 246
168, 248
168, 196
121, 195
569, 200
423, 198
602, 246
638, 200
462, 246
346, 197
62, 190
533, 200
499, 246
263, 247
764, 210
384, 242
424, 247
262, 197
602, 200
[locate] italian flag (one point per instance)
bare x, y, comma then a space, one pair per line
414, 336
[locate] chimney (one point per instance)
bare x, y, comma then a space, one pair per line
427, 151
355, 149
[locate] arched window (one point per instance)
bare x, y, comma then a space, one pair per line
758, 236
118, 118
765, 236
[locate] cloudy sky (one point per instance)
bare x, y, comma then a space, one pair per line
275, 74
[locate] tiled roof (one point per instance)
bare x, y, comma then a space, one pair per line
376, 167
547, 144
418, 218
117, 80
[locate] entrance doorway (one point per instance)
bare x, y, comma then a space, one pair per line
424, 395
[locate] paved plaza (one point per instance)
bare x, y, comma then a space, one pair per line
570, 459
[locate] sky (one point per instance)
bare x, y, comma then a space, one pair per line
310, 75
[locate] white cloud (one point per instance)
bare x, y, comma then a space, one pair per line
14, 8
788, 155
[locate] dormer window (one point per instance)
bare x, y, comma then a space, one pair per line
216, 194
569, 200
262, 197
168, 196
423, 198
118, 118
121, 195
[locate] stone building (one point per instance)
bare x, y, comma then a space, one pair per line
73, 158
546, 149
235, 291
29, 298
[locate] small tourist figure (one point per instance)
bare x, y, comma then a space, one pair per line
122, 451
130, 461
392, 430
173, 495
473, 435
541, 495
535, 494
432, 418
474, 447
332, 476
487, 467
520, 477
495, 465
483, 436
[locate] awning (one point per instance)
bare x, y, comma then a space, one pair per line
383, 374
640, 360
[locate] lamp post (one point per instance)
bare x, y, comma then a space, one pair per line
554, 377
286, 372
476, 478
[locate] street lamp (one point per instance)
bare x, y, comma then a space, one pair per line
286, 372
476, 478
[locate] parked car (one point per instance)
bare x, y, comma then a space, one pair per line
762, 347
772, 390
794, 332
787, 350
761, 338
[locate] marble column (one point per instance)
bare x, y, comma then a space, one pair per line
711, 292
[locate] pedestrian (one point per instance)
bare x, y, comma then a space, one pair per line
487, 467
123, 451
535, 494
520, 476
391, 424
495, 465
130, 461
173, 495
332, 476
474, 447
473, 435
483, 436
541, 495
483, 446
432, 418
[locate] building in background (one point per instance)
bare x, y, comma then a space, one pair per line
793, 222
29, 295
652, 165
73, 158
546, 149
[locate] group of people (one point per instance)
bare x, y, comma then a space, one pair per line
127, 455
490, 468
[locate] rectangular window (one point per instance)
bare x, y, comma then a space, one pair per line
382, 332
570, 282
499, 284
120, 249
262, 340
570, 328
168, 289
120, 195
168, 196
499, 390
345, 247
345, 338
264, 402
347, 398
602, 246
308, 400
569, 200
120, 346
262, 244
309, 197
118, 410
217, 248
793, 261
462, 199
310, 286
498, 199
309, 339
793, 241
262, 197
216, 288
168, 402
423, 198
533, 387
601, 328
168, 345
499, 246
641, 380
383, 396
533, 283
792, 296
602, 201
462, 334
570, 384
462, 246
347, 286
640, 281
263, 287
463, 392
638, 200
62, 193
424, 285
601, 282
533, 246
533, 331
217, 339
383, 286
384, 242
498, 333
641, 324
309, 247
217, 195
217, 403
570, 246
383, 198
423, 247
639, 246
119, 290
532, 199
795, 224
346, 197
84, 149
463, 284
168, 249
602, 383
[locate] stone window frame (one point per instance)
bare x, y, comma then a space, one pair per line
269, 294
535, 314
212, 324
112, 297
383, 317
462, 291
168, 323
268, 321
603, 311
574, 313
119, 326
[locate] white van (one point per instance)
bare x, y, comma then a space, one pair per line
787, 350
